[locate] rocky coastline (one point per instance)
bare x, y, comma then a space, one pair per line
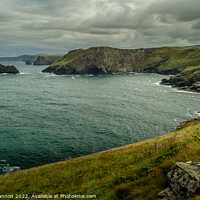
181, 63
188, 79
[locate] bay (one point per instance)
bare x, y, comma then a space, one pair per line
46, 118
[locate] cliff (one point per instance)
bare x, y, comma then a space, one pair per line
107, 60
136, 171
98, 60
8, 69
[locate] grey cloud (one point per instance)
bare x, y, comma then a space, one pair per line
54, 26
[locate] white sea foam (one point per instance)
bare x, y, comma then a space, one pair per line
2, 74
89, 74
183, 91
6, 168
157, 83
197, 113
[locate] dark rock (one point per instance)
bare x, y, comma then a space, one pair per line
28, 62
165, 81
99, 60
187, 80
8, 69
184, 180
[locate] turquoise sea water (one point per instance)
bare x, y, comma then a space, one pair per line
46, 118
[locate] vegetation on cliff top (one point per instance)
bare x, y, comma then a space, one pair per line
163, 60
166, 58
136, 171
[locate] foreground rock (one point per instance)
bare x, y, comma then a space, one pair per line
184, 182
8, 69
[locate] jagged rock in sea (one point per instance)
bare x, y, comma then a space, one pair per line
8, 69
28, 62
184, 181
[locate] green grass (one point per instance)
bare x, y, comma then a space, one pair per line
136, 171
191, 69
69, 57
171, 57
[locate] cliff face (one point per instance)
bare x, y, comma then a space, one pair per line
8, 69
106, 60
45, 60
99, 60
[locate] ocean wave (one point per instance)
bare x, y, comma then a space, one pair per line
3, 74
198, 113
183, 91
157, 83
6, 168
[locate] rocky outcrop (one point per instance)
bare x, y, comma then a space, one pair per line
186, 123
28, 62
99, 60
8, 69
188, 79
45, 60
184, 182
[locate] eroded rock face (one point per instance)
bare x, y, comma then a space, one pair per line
184, 181
101, 60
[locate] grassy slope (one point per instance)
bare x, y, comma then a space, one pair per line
173, 57
136, 171
72, 55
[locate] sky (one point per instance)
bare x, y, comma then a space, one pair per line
57, 26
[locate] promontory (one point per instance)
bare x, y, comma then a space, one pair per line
182, 62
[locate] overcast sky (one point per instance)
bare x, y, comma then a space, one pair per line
57, 26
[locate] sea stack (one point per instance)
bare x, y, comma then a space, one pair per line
8, 69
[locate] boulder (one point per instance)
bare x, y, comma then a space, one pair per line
184, 181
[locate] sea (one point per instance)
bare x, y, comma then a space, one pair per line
46, 118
